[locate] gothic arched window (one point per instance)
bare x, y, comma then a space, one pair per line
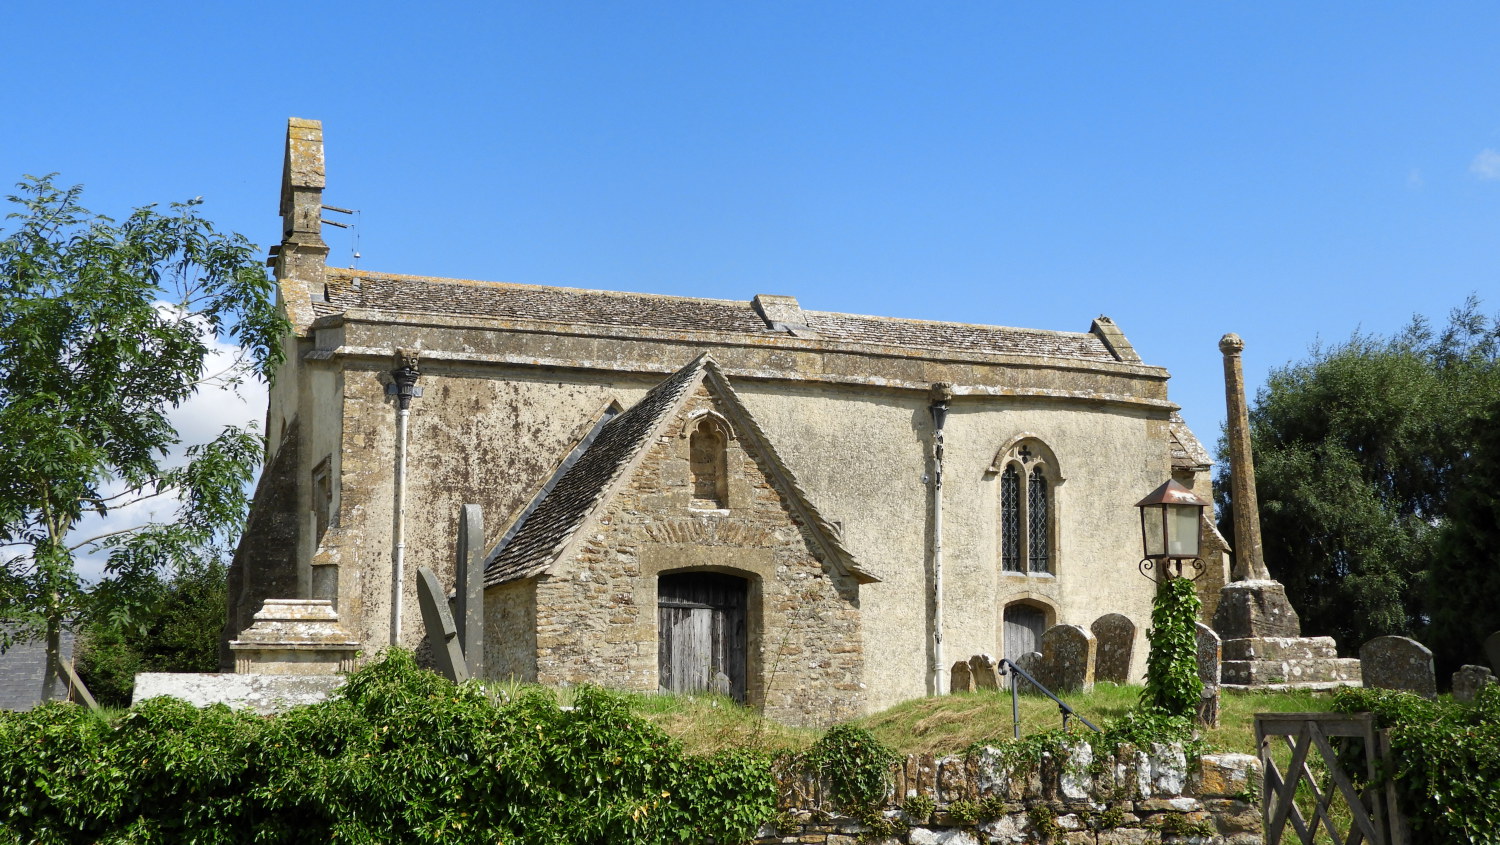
1028, 512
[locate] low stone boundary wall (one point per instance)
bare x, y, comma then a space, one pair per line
1132, 796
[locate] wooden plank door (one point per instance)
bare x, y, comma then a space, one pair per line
701, 645
1023, 631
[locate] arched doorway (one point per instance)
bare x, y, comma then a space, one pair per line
1024, 624
701, 643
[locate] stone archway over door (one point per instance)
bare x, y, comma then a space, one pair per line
1023, 630
701, 642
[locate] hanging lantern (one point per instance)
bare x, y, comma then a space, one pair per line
1170, 533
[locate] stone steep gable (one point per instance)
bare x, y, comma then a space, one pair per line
567, 505
597, 612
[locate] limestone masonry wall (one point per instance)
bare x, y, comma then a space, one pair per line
596, 615
1132, 796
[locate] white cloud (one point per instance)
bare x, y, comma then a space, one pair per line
1486, 165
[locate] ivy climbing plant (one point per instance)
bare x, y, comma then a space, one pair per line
1172, 683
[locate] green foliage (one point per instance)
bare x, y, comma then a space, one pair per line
1172, 682
919, 808
104, 330
172, 625
857, 765
1464, 575
401, 756
1360, 450
962, 812
1446, 761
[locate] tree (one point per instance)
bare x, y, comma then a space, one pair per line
104, 330
173, 626
1359, 450
1464, 583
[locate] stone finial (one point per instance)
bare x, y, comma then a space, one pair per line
1249, 559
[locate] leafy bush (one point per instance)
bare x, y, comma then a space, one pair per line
857, 765
148, 623
1446, 761
400, 756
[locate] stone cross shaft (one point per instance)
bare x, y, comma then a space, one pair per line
1249, 559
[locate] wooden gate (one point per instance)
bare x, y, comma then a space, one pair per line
1373, 815
701, 644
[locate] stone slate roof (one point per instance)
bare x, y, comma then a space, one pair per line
348, 289
22, 670
1187, 452
588, 480
563, 509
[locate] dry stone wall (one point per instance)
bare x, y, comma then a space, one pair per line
1131, 796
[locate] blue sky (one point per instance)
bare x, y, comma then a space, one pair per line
1287, 171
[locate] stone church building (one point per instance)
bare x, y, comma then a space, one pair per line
815, 512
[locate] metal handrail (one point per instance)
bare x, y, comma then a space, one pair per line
1008, 668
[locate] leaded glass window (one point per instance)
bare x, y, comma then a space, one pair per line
1010, 520
1036, 519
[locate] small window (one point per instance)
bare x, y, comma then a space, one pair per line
708, 461
322, 496
1028, 512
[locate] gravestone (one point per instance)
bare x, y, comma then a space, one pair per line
1030, 663
1467, 681
468, 588
1068, 655
1115, 636
985, 673
1399, 663
442, 634
1210, 654
959, 678
1492, 650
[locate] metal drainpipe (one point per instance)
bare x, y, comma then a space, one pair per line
940, 395
404, 387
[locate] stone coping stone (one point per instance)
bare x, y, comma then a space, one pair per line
264, 694
1280, 648
1264, 672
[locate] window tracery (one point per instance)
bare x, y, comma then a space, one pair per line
1028, 514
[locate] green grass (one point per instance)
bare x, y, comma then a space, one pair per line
940, 725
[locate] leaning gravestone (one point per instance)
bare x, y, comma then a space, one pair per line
1068, 655
1468, 680
1399, 663
1115, 636
959, 678
985, 673
1492, 650
1210, 661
